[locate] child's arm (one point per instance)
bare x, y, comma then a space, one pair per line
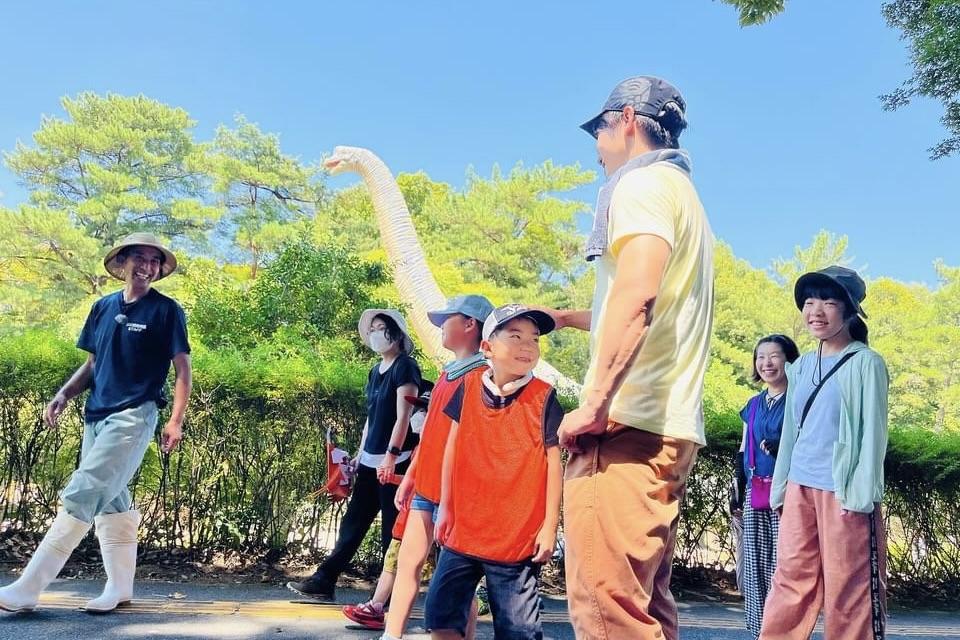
445, 517
547, 537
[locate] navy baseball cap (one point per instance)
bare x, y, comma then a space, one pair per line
648, 95
472, 306
502, 315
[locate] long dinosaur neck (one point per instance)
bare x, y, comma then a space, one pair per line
413, 278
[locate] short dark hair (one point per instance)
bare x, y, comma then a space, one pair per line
662, 132
392, 331
790, 350
820, 290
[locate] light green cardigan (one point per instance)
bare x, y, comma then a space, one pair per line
862, 445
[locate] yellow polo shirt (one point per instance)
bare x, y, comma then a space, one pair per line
663, 392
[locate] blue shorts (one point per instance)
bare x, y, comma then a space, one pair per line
419, 503
512, 589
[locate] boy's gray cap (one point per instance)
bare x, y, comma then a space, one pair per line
848, 280
648, 95
502, 315
472, 306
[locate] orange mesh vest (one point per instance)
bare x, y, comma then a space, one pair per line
433, 441
499, 485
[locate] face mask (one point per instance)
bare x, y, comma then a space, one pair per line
417, 420
378, 341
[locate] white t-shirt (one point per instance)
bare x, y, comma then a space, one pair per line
663, 392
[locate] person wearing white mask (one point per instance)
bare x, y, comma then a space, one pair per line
385, 447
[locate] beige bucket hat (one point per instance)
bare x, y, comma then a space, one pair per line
115, 267
366, 319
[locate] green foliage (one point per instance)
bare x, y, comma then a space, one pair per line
309, 292
932, 31
268, 196
754, 12
117, 164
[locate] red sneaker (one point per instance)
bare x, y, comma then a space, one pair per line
367, 614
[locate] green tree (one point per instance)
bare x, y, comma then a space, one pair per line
931, 29
267, 195
115, 165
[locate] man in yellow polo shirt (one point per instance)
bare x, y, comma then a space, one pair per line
635, 436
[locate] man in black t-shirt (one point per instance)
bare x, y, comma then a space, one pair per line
131, 337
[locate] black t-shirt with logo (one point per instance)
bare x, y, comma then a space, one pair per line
132, 345
382, 403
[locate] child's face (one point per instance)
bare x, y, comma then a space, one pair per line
514, 349
454, 331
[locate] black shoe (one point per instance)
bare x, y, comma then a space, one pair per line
313, 588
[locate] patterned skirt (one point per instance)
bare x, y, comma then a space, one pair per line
760, 532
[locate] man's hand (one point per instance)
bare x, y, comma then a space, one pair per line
575, 318
403, 492
52, 413
170, 437
444, 526
544, 545
582, 421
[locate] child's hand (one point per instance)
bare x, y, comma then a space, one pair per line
543, 547
403, 492
444, 526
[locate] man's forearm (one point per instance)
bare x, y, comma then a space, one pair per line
181, 395
79, 381
575, 318
624, 330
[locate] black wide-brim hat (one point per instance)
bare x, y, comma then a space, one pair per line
846, 279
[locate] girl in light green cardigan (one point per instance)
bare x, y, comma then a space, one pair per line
828, 479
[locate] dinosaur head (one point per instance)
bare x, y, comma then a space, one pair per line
343, 159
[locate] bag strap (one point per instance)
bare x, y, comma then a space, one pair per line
816, 390
753, 414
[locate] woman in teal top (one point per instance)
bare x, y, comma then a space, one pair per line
828, 478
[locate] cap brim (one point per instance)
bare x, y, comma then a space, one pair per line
544, 321
437, 318
590, 126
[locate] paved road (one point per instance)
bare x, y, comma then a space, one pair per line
177, 611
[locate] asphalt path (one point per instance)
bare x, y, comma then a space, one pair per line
178, 611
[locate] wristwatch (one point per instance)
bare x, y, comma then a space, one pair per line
394, 451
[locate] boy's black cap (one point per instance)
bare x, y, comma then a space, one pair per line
502, 315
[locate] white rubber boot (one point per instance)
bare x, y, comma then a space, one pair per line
64, 535
118, 546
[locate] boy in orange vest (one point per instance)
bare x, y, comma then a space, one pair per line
502, 477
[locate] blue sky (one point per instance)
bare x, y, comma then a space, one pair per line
786, 130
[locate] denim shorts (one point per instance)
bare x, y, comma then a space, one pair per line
512, 589
419, 503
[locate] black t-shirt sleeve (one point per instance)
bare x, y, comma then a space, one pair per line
178, 332
407, 372
552, 417
454, 407
88, 336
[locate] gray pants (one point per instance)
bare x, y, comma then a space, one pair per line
112, 451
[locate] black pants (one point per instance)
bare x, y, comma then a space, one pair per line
369, 497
